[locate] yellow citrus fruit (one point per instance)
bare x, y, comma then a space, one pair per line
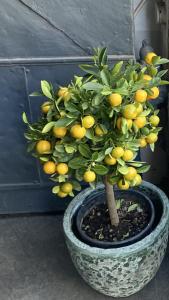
64, 93
138, 179
130, 174
43, 147
152, 138
154, 120
45, 107
148, 57
98, 131
66, 187
89, 176
49, 167
123, 184
130, 111
110, 160
140, 96
128, 155
88, 122
119, 123
156, 93
117, 152
62, 168
139, 108
61, 194
77, 131
140, 122
147, 77
142, 142
59, 132
115, 99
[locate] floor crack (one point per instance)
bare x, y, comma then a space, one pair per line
55, 27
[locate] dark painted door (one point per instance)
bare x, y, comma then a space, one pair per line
46, 40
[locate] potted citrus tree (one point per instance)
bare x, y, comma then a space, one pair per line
91, 132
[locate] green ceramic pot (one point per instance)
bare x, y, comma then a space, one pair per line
120, 272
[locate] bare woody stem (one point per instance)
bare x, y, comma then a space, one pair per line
111, 203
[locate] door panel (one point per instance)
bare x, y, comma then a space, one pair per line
47, 40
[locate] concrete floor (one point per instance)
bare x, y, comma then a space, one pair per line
35, 265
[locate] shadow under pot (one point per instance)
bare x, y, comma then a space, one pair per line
92, 222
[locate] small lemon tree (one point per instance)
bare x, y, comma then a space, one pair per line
92, 129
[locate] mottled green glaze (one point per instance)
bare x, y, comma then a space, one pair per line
123, 271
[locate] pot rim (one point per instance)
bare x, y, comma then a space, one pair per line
124, 250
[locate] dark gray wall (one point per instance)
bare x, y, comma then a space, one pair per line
46, 40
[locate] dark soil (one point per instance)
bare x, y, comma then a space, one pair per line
133, 219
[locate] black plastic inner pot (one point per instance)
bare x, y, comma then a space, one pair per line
98, 197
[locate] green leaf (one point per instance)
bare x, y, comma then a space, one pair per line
55, 189
62, 178
84, 150
95, 156
143, 169
145, 113
31, 146
124, 126
48, 127
71, 194
162, 61
156, 112
122, 91
60, 148
100, 169
45, 86
162, 73
35, 94
101, 156
97, 100
155, 60
78, 80
118, 203
103, 127
135, 163
79, 174
122, 170
132, 207
90, 134
76, 185
63, 122
70, 149
164, 82
113, 179
85, 105
89, 69
108, 150
117, 67
44, 158
92, 86
70, 106
104, 77
77, 162
121, 162
103, 56
152, 146
24, 118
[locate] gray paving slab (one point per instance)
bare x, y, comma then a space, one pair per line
35, 264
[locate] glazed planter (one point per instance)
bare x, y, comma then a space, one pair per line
120, 272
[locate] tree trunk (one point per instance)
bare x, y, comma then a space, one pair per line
111, 203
